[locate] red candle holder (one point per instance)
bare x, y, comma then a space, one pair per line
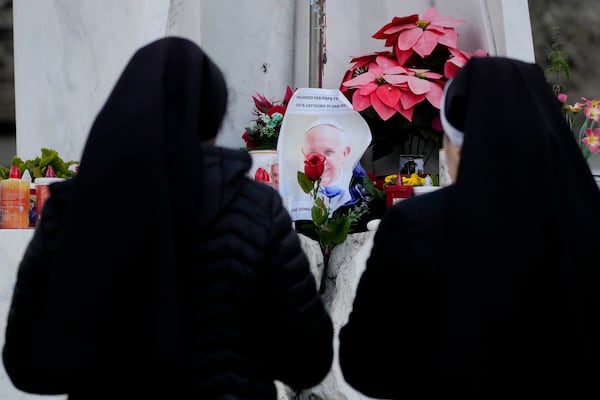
396, 193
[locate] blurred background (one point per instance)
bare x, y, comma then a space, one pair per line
578, 22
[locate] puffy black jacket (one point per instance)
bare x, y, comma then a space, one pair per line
253, 314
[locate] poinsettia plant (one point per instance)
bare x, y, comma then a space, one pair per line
263, 135
405, 82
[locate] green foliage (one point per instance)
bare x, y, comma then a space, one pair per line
38, 166
363, 212
558, 62
370, 188
331, 230
337, 231
582, 116
305, 183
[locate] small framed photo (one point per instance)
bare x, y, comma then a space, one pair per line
411, 164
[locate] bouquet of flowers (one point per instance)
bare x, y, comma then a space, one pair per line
406, 81
583, 117
332, 228
588, 132
263, 135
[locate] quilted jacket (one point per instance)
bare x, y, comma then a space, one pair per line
252, 310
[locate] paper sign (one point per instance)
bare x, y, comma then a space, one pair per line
319, 121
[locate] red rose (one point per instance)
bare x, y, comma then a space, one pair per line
314, 164
262, 175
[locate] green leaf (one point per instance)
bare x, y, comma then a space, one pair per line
337, 233
37, 166
368, 184
371, 189
319, 213
305, 183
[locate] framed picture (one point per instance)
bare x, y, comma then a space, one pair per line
411, 164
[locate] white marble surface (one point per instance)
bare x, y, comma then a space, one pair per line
346, 265
69, 53
315, 257
67, 57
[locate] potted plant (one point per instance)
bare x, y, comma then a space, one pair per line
398, 90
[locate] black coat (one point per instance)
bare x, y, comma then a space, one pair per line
487, 288
421, 327
252, 311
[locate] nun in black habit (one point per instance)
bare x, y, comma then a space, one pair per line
161, 270
489, 287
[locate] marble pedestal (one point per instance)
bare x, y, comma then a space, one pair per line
346, 265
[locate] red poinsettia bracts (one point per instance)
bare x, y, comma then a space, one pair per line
390, 88
423, 57
269, 107
411, 34
458, 60
269, 116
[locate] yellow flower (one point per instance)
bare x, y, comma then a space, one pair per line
413, 180
390, 179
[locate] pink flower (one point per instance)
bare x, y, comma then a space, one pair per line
373, 88
389, 88
592, 139
575, 108
592, 110
419, 35
584, 125
458, 60
423, 57
586, 130
361, 64
562, 97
